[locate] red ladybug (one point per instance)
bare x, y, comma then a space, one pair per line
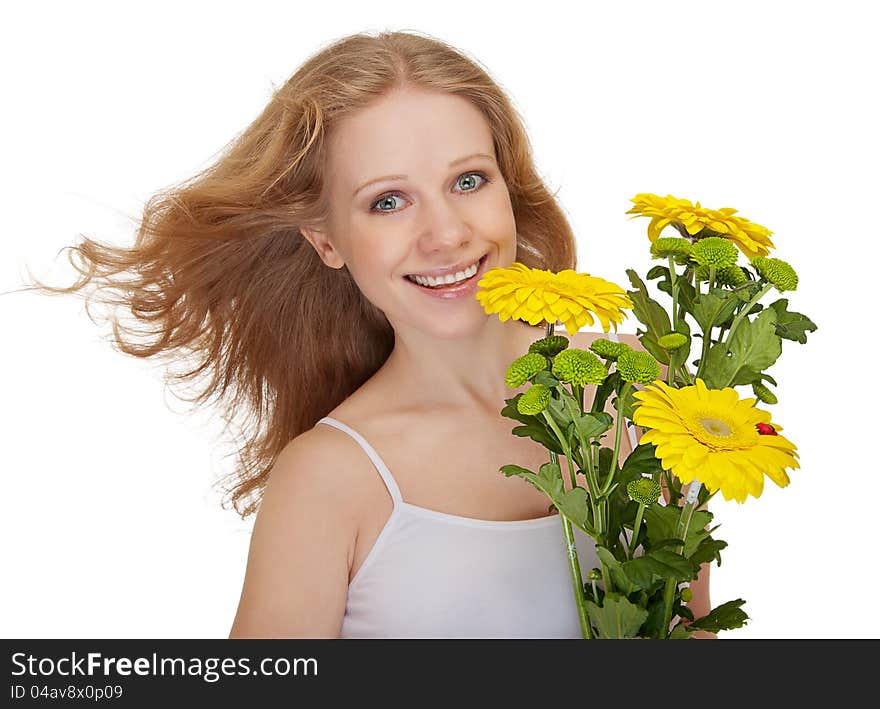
765, 429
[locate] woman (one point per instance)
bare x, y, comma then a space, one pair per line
301, 267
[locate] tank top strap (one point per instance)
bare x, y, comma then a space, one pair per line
387, 477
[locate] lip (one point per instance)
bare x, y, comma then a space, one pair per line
450, 270
462, 290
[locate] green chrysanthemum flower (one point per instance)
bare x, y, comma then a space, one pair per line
731, 276
609, 349
638, 366
579, 367
672, 340
764, 394
670, 246
524, 368
534, 401
687, 594
777, 272
714, 251
549, 346
643, 490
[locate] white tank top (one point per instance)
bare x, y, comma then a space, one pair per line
431, 574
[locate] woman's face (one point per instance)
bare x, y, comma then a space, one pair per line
436, 199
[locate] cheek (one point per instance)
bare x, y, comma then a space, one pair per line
498, 222
373, 264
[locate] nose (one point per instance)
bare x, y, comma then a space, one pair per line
445, 227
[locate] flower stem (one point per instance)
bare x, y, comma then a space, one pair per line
707, 340
636, 526
574, 568
618, 428
742, 313
577, 579
684, 520
673, 285
592, 482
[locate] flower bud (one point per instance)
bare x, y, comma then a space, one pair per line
579, 367
638, 366
524, 368
777, 272
549, 346
645, 491
714, 251
672, 340
763, 393
666, 246
534, 401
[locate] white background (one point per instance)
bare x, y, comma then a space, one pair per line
110, 524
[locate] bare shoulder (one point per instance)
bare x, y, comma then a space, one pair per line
302, 544
631, 340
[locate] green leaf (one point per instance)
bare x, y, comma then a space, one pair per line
665, 564
605, 456
662, 522
680, 632
727, 616
656, 272
510, 411
548, 479
650, 343
592, 425
539, 433
791, 325
617, 617
653, 625
758, 346
686, 292
642, 461
557, 409
544, 377
619, 577
708, 550
754, 346
646, 309
573, 504
710, 309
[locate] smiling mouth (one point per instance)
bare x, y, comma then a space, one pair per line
455, 284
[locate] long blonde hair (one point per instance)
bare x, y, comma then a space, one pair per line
220, 272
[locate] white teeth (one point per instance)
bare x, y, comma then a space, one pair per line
450, 278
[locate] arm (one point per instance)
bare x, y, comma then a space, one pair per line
296, 580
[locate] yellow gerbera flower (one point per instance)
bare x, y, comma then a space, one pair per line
752, 239
533, 295
713, 436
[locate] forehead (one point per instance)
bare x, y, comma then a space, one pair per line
405, 131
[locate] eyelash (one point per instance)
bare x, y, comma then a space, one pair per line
397, 194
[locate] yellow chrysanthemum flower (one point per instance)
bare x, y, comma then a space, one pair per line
535, 295
713, 436
752, 239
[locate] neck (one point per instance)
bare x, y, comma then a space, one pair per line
462, 372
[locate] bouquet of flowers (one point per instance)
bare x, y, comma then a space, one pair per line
701, 437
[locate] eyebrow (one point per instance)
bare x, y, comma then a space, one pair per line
403, 177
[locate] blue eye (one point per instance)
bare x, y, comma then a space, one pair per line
390, 195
